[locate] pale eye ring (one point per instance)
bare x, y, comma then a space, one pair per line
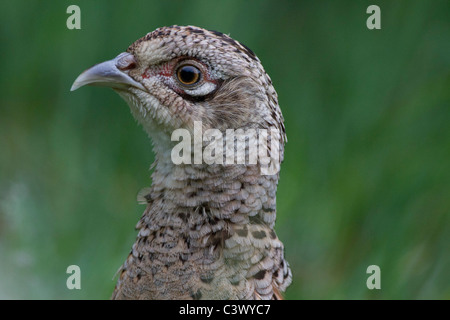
188, 75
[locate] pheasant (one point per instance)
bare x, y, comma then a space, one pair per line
208, 228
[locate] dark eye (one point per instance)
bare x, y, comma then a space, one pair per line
188, 75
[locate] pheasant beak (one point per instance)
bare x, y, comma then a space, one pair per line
112, 73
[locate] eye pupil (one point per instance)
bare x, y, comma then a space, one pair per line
188, 75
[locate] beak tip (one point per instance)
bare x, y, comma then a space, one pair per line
78, 83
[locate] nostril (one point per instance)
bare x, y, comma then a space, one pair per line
131, 65
126, 61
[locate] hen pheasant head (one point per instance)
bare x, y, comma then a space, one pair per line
175, 76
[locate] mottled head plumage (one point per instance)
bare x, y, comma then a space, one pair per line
225, 62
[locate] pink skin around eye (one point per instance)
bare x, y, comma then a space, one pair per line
166, 71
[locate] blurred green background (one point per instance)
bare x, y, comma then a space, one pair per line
366, 178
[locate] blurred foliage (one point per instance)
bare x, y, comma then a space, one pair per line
366, 178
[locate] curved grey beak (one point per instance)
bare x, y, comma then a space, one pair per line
112, 73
